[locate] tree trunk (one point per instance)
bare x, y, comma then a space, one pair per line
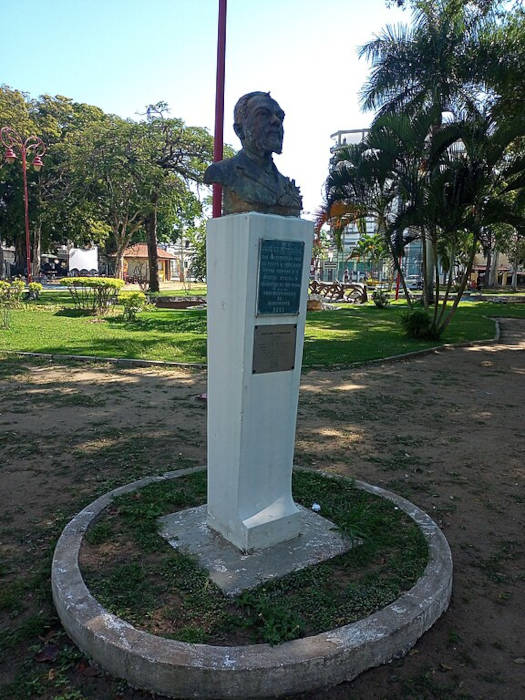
20, 254
494, 269
430, 265
36, 252
488, 265
462, 285
2, 262
119, 263
151, 233
514, 283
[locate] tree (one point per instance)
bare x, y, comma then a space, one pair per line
426, 67
180, 154
380, 178
430, 67
197, 236
54, 215
107, 166
448, 188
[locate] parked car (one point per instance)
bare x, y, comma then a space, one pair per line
414, 282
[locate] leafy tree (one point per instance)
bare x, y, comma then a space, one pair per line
179, 154
107, 169
54, 215
197, 236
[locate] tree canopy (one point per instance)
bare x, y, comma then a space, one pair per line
444, 159
105, 179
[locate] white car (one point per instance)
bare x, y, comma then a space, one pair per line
413, 282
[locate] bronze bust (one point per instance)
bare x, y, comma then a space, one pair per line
250, 180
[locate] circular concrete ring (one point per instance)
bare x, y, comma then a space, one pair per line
178, 669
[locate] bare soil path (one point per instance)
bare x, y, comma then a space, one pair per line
446, 430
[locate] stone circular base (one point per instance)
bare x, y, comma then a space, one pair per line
178, 669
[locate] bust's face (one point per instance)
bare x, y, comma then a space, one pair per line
263, 126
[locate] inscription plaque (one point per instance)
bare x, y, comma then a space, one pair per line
280, 275
274, 348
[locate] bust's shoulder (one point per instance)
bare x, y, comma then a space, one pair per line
221, 171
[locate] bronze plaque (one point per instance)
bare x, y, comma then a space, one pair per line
280, 276
274, 348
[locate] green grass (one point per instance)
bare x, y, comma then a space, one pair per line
363, 333
170, 588
348, 335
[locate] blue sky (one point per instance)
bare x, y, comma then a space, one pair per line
124, 54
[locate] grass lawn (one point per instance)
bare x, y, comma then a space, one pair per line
352, 334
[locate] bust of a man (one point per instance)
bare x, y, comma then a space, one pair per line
250, 180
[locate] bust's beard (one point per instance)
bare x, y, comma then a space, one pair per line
264, 145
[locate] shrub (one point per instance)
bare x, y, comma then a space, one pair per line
419, 325
93, 294
16, 290
380, 298
4, 304
34, 290
10, 298
134, 303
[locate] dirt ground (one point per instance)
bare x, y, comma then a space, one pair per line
445, 430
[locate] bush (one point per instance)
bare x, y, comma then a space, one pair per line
134, 303
10, 298
16, 289
34, 290
419, 325
93, 294
380, 298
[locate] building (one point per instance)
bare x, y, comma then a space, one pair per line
136, 265
183, 252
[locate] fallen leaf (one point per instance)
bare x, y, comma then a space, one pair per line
48, 654
519, 660
444, 667
87, 670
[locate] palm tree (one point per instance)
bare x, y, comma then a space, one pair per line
381, 178
425, 67
407, 181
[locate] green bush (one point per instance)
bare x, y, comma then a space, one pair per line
10, 298
93, 294
418, 324
380, 298
16, 289
134, 303
34, 290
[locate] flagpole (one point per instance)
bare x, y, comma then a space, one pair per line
219, 105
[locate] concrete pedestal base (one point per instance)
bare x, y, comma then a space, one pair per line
181, 670
235, 572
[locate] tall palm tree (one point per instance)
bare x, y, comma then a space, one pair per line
381, 178
407, 180
426, 66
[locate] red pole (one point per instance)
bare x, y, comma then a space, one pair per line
26, 215
219, 105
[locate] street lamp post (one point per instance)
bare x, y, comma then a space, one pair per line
11, 140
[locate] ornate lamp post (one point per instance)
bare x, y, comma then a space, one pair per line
12, 140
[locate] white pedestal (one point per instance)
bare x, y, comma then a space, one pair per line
252, 414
